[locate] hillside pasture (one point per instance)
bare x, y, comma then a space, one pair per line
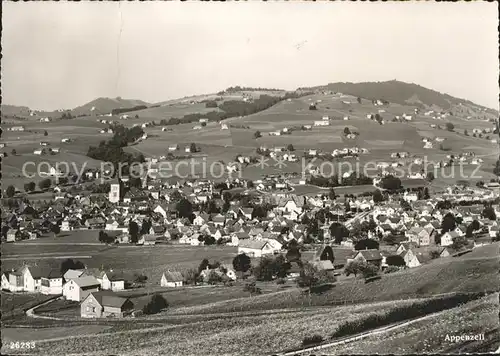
168, 111
429, 335
254, 333
441, 276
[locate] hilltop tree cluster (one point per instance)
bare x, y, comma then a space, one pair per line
112, 150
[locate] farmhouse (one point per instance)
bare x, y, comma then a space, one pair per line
39, 151
105, 304
12, 281
171, 279
447, 238
112, 281
73, 274
255, 248
52, 282
147, 240
410, 258
79, 288
370, 256
322, 123
17, 128
173, 147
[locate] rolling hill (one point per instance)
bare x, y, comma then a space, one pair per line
400, 93
105, 105
11, 110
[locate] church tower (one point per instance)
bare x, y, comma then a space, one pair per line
115, 191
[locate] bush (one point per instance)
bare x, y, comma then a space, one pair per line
155, 305
391, 269
312, 340
252, 288
211, 104
10, 191
44, 184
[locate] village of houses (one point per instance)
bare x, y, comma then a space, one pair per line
415, 226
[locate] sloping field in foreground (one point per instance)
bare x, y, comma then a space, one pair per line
429, 336
255, 333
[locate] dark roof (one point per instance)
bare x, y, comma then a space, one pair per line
109, 299
115, 276
371, 255
38, 272
173, 276
86, 281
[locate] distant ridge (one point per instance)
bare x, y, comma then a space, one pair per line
398, 92
106, 105
11, 110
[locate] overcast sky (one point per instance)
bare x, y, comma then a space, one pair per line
61, 55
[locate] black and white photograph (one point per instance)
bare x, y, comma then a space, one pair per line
208, 178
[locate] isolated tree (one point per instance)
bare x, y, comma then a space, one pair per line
359, 100
327, 254
450, 126
426, 194
459, 242
366, 244
469, 231
13, 152
242, 263
214, 278
203, 265
10, 191
430, 176
308, 277
55, 229
347, 131
339, 232
133, 231
354, 267
184, 208
193, 148
290, 147
252, 288
71, 264
265, 270
489, 213
105, 238
191, 276
466, 133
448, 224
257, 134
390, 183
145, 227
45, 133
395, 260
331, 194
369, 270
293, 252
44, 184
155, 305
378, 197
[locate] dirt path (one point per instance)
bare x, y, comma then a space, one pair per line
31, 312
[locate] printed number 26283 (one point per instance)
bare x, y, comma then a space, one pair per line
22, 345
